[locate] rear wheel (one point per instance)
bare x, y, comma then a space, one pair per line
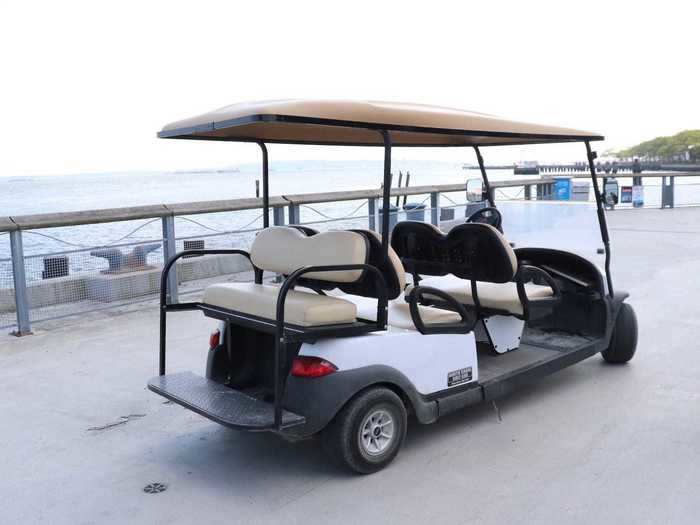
368, 432
623, 343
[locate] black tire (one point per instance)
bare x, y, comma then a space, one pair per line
623, 342
341, 439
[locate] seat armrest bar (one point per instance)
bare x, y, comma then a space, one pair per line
181, 307
521, 275
525, 269
164, 306
465, 326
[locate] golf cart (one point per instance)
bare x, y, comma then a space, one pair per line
343, 346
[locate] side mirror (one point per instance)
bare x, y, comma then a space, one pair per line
475, 190
611, 191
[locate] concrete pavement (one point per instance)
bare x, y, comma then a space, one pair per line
592, 444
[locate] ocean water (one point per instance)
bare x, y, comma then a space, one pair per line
42, 194
46, 194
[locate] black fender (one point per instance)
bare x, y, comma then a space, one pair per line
320, 399
614, 303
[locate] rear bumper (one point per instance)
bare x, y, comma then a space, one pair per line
224, 405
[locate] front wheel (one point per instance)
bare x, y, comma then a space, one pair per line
623, 342
368, 432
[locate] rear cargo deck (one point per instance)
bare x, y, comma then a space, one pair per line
220, 403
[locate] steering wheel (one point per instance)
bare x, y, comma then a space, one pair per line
488, 215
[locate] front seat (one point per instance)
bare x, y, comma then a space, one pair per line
476, 266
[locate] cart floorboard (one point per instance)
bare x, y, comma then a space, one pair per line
500, 374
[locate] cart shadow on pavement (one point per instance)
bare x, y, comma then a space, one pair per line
220, 455
490, 413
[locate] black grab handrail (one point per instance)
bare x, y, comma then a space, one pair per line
164, 306
287, 285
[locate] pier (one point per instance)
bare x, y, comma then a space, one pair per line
84, 379
618, 167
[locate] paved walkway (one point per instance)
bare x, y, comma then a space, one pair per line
81, 436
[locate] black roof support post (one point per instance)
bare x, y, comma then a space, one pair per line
601, 215
386, 194
484, 176
265, 185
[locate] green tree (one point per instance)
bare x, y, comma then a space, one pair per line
667, 147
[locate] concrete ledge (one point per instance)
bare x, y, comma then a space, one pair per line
107, 288
46, 293
119, 287
206, 266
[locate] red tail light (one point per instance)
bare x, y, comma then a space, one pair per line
308, 366
214, 339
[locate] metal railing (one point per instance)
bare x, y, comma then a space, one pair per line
33, 290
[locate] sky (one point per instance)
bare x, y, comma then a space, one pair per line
85, 86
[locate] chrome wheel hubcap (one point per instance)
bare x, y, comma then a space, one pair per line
376, 432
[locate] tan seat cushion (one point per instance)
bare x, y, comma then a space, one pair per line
399, 315
301, 308
498, 296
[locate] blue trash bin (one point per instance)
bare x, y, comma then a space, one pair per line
562, 189
393, 217
415, 211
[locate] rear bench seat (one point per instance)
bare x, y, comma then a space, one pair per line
302, 308
284, 250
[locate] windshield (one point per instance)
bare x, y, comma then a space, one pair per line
565, 225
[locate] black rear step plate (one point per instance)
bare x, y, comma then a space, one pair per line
220, 403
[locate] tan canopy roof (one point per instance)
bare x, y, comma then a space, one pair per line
348, 122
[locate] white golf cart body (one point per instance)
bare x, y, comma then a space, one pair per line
443, 320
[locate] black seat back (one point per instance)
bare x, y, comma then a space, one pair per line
472, 251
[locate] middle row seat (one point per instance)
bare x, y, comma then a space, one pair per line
501, 297
399, 315
470, 252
